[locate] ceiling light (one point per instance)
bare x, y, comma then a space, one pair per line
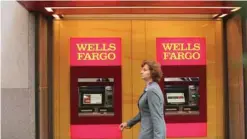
235, 9
215, 15
48, 9
56, 16
223, 15
147, 7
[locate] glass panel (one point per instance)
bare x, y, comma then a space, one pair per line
182, 95
96, 96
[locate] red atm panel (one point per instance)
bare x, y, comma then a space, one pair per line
182, 105
96, 95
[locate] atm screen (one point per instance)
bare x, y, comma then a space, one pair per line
176, 94
175, 98
91, 96
92, 99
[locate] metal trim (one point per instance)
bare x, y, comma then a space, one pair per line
50, 75
37, 90
244, 49
225, 80
140, 17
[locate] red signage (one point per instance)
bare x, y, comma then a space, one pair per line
95, 51
181, 51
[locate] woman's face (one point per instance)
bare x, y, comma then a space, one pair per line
145, 73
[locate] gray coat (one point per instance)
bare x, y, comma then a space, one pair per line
151, 114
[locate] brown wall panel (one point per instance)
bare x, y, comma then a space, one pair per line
65, 29
235, 77
208, 30
43, 94
138, 53
56, 79
64, 78
138, 43
220, 124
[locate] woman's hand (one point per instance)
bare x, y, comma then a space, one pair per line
122, 126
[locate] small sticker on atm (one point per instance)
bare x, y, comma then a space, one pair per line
103, 110
86, 110
187, 109
172, 109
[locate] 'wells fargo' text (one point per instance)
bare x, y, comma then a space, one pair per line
96, 51
181, 51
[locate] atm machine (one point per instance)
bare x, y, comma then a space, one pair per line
96, 95
184, 90
95, 99
185, 108
182, 95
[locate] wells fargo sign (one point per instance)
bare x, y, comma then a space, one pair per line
181, 51
95, 51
